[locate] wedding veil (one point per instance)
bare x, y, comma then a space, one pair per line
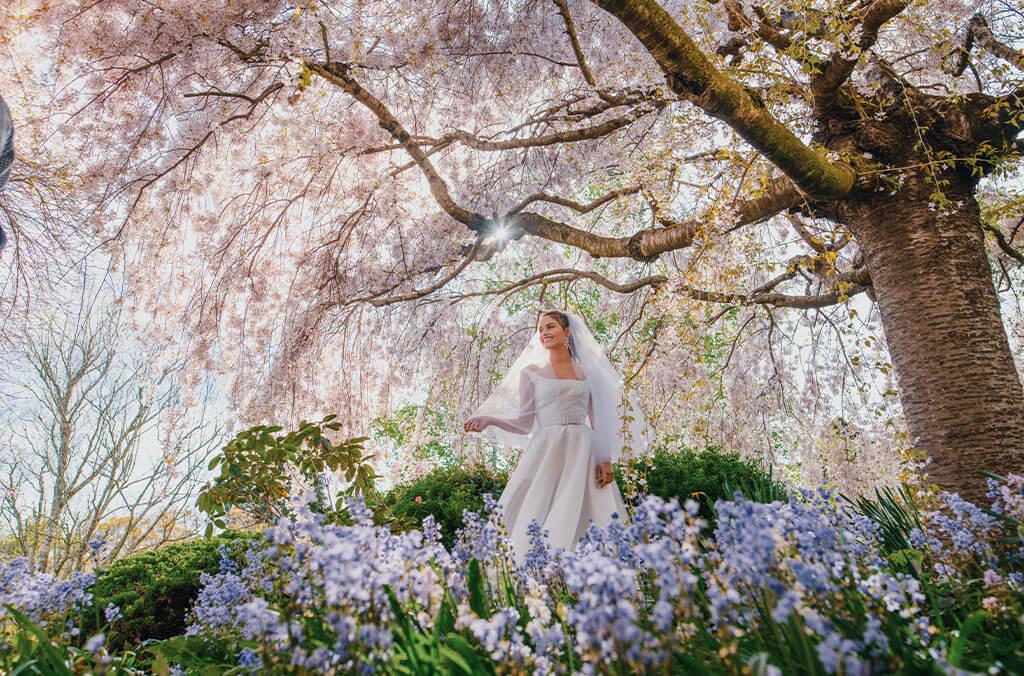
618, 421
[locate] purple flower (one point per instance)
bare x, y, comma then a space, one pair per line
95, 643
250, 659
112, 613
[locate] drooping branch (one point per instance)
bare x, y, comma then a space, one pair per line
693, 76
338, 74
415, 294
568, 275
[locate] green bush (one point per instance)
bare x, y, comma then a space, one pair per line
702, 475
445, 493
155, 590
708, 475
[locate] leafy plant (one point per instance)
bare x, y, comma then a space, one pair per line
704, 476
895, 511
437, 650
707, 476
444, 493
29, 648
155, 590
257, 468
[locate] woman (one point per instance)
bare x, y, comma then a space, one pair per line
564, 478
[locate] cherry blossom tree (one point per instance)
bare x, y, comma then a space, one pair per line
286, 177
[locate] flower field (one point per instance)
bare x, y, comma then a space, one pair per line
816, 584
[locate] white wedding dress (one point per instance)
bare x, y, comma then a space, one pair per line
555, 481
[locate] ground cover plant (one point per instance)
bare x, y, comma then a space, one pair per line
813, 584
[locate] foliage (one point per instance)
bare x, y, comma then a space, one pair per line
433, 444
896, 513
707, 476
443, 494
38, 615
257, 469
796, 586
155, 590
33, 650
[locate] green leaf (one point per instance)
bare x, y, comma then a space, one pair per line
956, 649
54, 658
475, 664
455, 657
445, 621
477, 593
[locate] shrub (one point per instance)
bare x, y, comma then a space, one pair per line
257, 469
445, 493
155, 590
707, 476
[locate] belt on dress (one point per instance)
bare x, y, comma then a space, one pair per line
568, 419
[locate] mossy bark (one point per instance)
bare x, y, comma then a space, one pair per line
691, 74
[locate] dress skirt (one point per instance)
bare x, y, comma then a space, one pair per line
555, 483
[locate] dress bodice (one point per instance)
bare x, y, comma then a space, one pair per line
560, 401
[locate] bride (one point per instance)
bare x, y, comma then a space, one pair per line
560, 402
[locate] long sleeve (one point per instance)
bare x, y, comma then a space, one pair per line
522, 422
601, 451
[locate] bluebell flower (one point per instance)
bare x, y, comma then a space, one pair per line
112, 613
250, 659
95, 643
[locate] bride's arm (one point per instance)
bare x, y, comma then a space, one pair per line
605, 474
521, 423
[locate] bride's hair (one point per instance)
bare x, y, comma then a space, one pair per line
562, 319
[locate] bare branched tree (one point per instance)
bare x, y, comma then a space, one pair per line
99, 449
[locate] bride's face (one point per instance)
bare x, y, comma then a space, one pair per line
552, 334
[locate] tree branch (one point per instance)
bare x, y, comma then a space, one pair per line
648, 244
569, 275
570, 30
772, 34
825, 87
565, 136
471, 256
338, 74
774, 299
978, 31
693, 76
1003, 243
813, 240
578, 207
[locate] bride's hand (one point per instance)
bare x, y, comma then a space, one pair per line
605, 474
477, 424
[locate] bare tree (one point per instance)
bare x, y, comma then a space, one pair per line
100, 451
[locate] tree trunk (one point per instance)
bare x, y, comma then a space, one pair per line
959, 388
